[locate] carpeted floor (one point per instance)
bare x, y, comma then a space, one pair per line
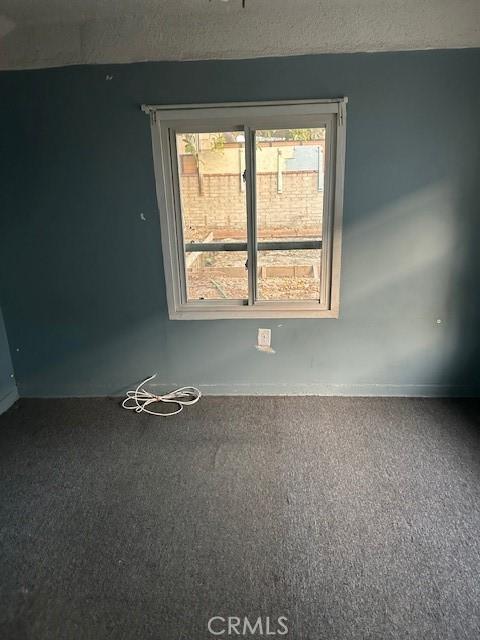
354, 518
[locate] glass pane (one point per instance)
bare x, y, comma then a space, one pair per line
290, 174
212, 188
289, 275
217, 275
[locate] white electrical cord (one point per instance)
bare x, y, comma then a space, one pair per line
141, 399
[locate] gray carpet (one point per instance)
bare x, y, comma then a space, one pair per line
354, 518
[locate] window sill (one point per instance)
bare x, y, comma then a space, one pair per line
249, 313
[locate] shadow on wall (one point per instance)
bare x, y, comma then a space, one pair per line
397, 264
464, 286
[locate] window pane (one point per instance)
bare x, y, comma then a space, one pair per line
212, 188
289, 275
290, 173
217, 275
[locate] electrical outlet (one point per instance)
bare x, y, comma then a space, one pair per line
264, 337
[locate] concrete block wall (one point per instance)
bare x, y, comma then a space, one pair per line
220, 203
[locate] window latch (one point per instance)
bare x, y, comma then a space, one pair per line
244, 176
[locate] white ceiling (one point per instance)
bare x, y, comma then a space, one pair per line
43, 33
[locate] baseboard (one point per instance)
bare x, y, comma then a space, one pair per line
344, 390
7, 401
269, 389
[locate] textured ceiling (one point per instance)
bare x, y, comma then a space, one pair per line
42, 33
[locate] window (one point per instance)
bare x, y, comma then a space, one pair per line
250, 198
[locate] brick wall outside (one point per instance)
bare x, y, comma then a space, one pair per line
221, 205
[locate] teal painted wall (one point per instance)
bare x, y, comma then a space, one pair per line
85, 304
8, 388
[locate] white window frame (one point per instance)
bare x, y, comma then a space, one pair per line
167, 120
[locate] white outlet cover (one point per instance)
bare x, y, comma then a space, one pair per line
264, 340
264, 337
